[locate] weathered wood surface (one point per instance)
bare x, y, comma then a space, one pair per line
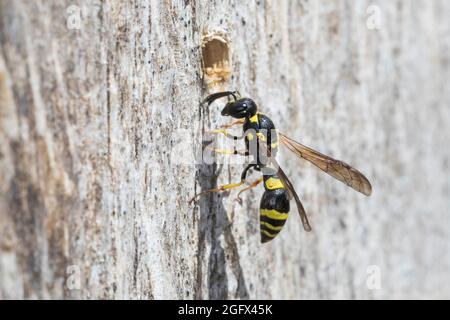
93, 204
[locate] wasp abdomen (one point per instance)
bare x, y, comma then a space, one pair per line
274, 208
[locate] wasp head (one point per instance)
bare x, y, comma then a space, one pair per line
242, 108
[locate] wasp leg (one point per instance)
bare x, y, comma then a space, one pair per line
226, 186
218, 189
229, 151
232, 124
251, 186
226, 134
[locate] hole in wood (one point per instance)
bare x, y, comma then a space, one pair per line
216, 59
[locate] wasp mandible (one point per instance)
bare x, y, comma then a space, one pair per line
260, 131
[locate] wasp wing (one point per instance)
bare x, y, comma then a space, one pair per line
335, 168
291, 189
288, 185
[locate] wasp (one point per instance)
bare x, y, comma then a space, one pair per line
261, 142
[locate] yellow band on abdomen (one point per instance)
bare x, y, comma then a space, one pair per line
271, 227
274, 183
273, 214
268, 234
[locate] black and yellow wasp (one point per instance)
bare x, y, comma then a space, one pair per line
261, 142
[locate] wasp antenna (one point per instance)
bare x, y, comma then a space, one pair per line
213, 97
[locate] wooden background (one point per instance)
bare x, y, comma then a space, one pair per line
93, 195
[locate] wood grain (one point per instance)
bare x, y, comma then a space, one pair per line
89, 115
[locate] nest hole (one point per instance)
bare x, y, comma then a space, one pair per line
216, 60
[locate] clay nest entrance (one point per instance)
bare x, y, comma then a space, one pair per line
215, 59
